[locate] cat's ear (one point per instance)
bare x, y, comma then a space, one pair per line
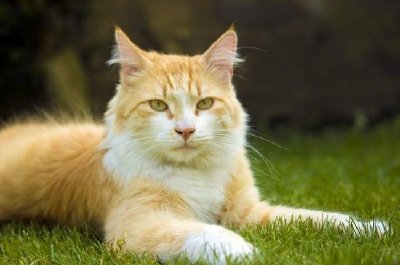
222, 55
129, 56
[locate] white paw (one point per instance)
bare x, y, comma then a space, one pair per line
370, 227
215, 244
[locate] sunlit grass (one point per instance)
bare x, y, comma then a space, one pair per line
353, 172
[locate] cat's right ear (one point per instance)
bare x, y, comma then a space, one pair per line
129, 56
222, 56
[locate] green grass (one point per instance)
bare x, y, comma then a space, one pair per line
353, 172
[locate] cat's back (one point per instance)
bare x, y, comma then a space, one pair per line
45, 139
46, 164
29, 130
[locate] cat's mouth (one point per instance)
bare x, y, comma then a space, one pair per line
185, 147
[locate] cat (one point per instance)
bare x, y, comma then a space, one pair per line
165, 174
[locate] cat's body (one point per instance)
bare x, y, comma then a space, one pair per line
166, 172
43, 177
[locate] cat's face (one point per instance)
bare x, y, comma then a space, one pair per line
178, 109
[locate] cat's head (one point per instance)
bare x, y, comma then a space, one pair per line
174, 108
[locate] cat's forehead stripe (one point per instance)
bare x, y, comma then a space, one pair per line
198, 87
170, 82
164, 90
190, 78
184, 82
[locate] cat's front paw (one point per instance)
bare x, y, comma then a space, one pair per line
216, 244
370, 227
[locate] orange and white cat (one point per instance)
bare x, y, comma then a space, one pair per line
166, 172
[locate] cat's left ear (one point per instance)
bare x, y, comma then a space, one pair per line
222, 55
130, 57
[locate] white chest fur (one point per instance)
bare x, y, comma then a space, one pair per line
202, 189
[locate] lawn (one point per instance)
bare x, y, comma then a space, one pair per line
348, 171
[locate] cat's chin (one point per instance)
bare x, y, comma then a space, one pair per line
187, 156
184, 153
186, 148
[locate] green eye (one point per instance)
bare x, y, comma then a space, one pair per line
158, 105
205, 103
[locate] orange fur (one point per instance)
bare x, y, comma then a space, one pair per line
54, 172
168, 202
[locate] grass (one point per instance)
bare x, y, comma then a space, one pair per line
353, 172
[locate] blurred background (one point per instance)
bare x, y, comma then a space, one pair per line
310, 64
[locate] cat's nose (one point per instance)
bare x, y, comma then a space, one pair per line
185, 132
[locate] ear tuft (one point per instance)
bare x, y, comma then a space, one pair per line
222, 55
130, 57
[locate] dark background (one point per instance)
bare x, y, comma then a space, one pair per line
310, 64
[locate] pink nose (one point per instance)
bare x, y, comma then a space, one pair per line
185, 132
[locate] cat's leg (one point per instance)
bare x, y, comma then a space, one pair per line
167, 237
340, 220
243, 206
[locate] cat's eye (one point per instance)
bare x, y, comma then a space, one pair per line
158, 105
205, 103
